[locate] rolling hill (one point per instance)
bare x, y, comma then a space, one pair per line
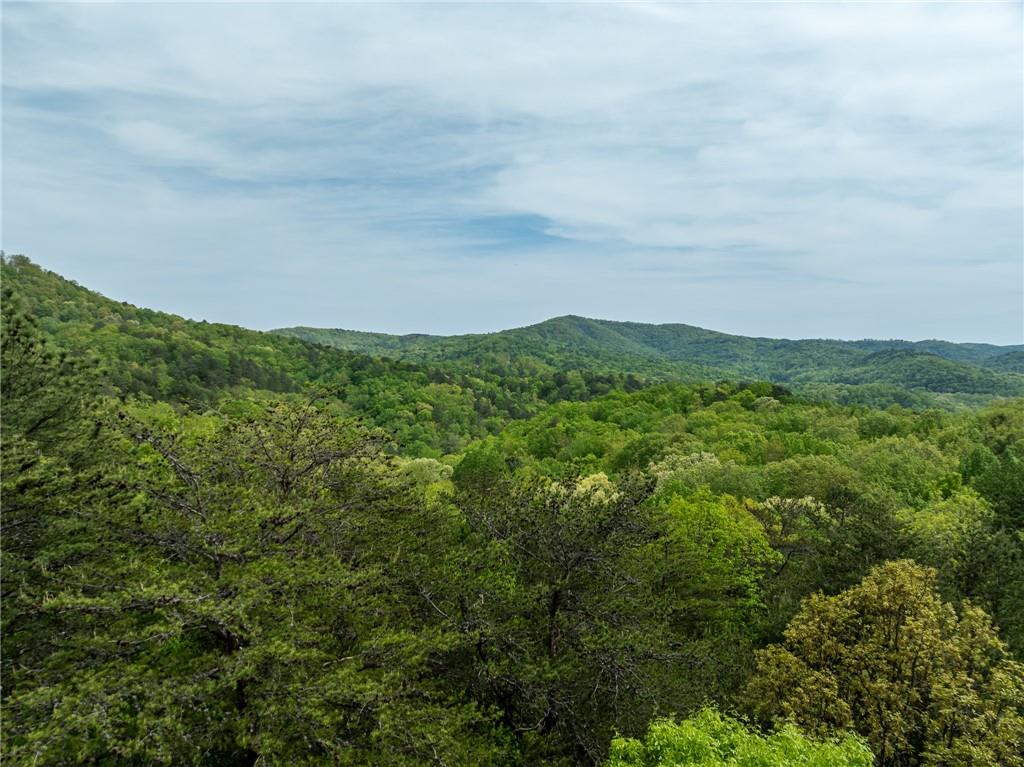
440, 392
431, 408
685, 352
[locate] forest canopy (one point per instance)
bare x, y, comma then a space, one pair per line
226, 547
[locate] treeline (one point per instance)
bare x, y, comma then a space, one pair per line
251, 579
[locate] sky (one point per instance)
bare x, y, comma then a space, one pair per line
775, 169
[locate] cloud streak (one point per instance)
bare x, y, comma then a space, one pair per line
780, 169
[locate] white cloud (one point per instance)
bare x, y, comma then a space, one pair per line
830, 154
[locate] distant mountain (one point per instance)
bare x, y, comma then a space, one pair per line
439, 392
923, 370
1011, 361
686, 352
979, 354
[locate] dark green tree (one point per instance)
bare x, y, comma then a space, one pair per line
235, 608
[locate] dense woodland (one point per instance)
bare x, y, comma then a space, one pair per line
225, 547
877, 373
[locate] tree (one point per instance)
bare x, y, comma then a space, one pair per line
230, 606
45, 390
47, 442
890, 660
585, 606
710, 739
560, 626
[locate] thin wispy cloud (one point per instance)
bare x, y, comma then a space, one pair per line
773, 169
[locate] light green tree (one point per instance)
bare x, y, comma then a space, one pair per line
892, 661
710, 739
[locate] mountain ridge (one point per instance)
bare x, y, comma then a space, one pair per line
979, 345
510, 373
678, 350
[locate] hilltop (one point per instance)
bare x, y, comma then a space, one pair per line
689, 353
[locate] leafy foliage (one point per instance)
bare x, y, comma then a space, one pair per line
709, 739
234, 548
890, 660
223, 605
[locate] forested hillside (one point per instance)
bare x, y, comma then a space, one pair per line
686, 353
225, 547
432, 410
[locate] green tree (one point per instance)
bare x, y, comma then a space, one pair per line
585, 606
710, 739
557, 611
949, 534
45, 390
233, 608
892, 661
47, 444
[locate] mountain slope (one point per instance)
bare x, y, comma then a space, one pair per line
1012, 361
925, 370
436, 393
685, 352
431, 410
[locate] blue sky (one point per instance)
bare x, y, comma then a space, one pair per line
786, 169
